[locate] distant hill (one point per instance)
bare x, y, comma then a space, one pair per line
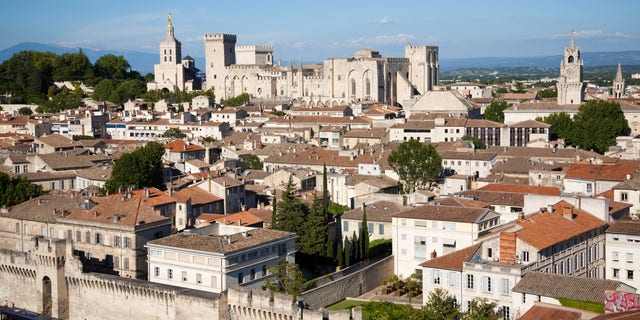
591, 59
143, 61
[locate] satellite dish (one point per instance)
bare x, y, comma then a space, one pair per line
478, 259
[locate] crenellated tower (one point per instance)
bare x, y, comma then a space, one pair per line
220, 52
424, 68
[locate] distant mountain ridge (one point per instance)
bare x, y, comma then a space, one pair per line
143, 61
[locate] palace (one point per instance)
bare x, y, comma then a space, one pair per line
231, 70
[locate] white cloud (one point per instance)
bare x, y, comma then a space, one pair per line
585, 34
384, 20
299, 45
380, 40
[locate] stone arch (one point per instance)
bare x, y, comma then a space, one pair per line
570, 59
303, 103
312, 104
366, 85
47, 296
327, 103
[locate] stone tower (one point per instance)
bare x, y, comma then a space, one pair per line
424, 68
169, 73
618, 84
570, 85
220, 52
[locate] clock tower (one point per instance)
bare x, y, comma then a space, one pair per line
570, 85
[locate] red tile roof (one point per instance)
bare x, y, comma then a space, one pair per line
181, 146
451, 261
538, 312
520, 188
610, 172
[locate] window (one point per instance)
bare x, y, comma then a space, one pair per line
98, 238
127, 242
381, 229
214, 281
525, 256
116, 241
630, 274
489, 252
436, 276
126, 263
506, 313
345, 225
87, 237
156, 272
629, 257
170, 273
264, 271
486, 284
70, 235
403, 237
616, 273
524, 298
420, 246
253, 274
240, 278
470, 284
453, 279
116, 262
198, 278
27, 231
370, 227
624, 196
403, 222
505, 286
184, 276
615, 256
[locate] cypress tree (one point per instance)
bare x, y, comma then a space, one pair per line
290, 214
347, 251
274, 210
355, 243
313, 240
340, 254
364, 235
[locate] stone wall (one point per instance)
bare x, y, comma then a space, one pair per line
350, 285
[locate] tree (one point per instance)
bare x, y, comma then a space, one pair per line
417, 165
519, 87
173, 133
597, 125
237, 101
72, 67
495, 111
314, 238
285, 277
561, 126
548, 93
355, 247
103, 89
112, 67
25, 111
413, 284
252, 161
441, 305
347, 251
17, 190
290, 215
140, 168
477, 143
340, 254
364, 237
481, 309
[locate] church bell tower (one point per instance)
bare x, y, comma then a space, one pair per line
570, 85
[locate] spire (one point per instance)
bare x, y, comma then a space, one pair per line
169, 36
572, 43
619, 73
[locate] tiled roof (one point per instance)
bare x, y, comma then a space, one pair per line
180, 146
539, 312
42, 208
460, 202
627, 315
197, 196
113, 210
543, 230
243, 218
66, 161
220, 244
320, 156
482, 156
153, 197
496, 198
624, 227
56, 140
631, 184
522, 166
380, 182
377, 211
529, 124
227, 181
482, 123
98, 173
452, 261
520, 188
543, 153
378, 133
444, 213
564, 286
609, 172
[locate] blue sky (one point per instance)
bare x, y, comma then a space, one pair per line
313, 30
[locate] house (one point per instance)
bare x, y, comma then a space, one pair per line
54, 143
589, 179
302, 179
179, 152
107, 233
378, 219
628, 191
352, 138
192, 202
231, 190
474, 163
429, 231
623, 252
218, 256
201, 102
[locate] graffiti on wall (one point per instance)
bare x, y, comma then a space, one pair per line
618, 301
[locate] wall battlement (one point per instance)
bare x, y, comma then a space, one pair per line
255, 48
220, 37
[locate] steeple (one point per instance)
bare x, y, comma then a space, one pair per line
572, 43
618, 84
169, 36
618, 73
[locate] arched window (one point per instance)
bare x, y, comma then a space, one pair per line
367, 87
353, 87
570, 60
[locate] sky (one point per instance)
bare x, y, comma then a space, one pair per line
314, 30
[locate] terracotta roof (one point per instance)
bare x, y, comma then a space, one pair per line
377, 211
521, 165
56, 140
380, 182
543, 153
227, 181
460, 202
482, 123
154, 196
197, 196
113, 210
243, 218
538, 312
631, 184
479, 155
495, 198
220, 244
69, 161
529, 124
624, 227
627, 315
378, 133
444, 213
319, 156
520, 188
609, 172
565, 286
180, 146
452, 261
543, 230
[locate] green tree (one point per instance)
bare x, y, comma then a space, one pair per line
355, 247
71, 67
441, 306
173, 133
561, 126
495, 111
481, 309
314, 238
385, 310
110, 66
340, 255
285, 277
417, 165
252, 161
414, 285
290, 215
347, 251
237, 101
519, 88
477, 143
363, 238
25, 111
17, 190
548, 93
127, 90
140, 168
597, 125
103, 89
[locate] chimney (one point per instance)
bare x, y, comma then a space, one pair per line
628, 176
434, 254
520, 216
239, 222
550, 208
146, 192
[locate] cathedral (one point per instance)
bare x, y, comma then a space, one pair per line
231, 70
